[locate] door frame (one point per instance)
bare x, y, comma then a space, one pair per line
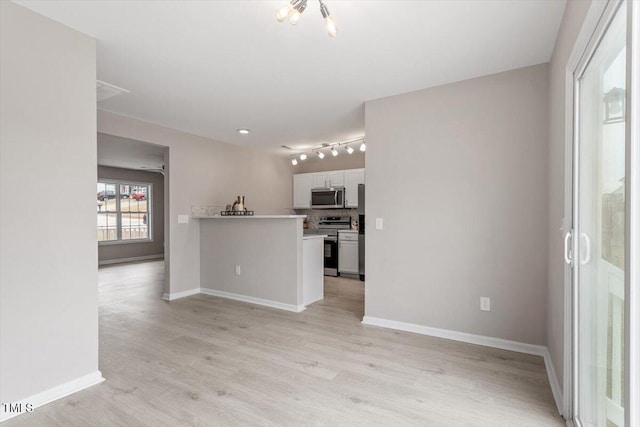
632, 223
595, 24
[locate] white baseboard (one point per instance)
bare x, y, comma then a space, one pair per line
253, 300
537, 350
520, 347
54, 393
556, 390
131, 259
177, 295
237, 297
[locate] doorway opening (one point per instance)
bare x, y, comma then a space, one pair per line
132, 200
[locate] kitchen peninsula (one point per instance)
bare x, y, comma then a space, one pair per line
262, 259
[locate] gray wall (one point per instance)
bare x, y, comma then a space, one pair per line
268, 251
572, 21
107, 252
330, 163
459, 174
202, 171
48, 251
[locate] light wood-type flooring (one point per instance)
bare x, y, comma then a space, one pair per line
207, 361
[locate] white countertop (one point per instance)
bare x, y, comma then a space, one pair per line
314, 236
248, 216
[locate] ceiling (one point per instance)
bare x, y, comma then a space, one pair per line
212, 67
129, 154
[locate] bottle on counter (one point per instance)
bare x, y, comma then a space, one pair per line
238, 205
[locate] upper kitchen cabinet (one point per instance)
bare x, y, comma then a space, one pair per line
319, 180
304, 182
302, 185
328, 179
352, 178
335, 178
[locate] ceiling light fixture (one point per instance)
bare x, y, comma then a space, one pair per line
332, 28
293, 10
297, 11
333, 149
285, 11
244, 131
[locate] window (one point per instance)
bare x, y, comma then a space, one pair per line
124, 211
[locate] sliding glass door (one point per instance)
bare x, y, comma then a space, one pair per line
599, 237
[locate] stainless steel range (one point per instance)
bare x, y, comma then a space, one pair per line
330, 226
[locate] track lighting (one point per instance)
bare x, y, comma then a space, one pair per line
285, 10
294, 9
333, 149
297, 11
332, 28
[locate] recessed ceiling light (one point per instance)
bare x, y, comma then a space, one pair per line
244, 131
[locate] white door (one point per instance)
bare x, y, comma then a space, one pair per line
599, 236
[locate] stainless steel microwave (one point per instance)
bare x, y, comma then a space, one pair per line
327, 198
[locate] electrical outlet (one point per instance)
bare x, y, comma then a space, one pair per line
485, 304
183, 219
379, 224
238, 270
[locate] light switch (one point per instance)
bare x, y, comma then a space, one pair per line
183, 219
485, 304
379, 224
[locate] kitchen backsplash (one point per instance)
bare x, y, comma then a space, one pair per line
314, 215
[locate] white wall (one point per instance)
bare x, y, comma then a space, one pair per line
572, 21
202, 171
48, 251
459, 174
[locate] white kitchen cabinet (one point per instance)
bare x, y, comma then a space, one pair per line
302, 185
352, 178
328, 179
304, 182
320, 180
335, 178
348, 253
